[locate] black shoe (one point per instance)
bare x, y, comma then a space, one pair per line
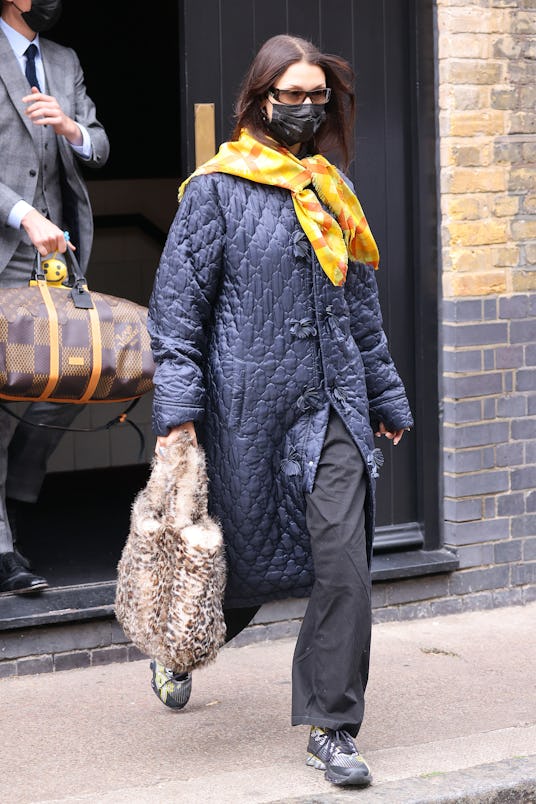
173, 689
13, 514
15, 579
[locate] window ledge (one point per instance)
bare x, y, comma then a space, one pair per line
411, 564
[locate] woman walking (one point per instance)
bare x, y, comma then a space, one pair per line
268, 341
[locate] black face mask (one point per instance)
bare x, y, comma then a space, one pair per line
42, 15
293, 124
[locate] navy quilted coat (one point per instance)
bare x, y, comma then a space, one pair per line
254, 343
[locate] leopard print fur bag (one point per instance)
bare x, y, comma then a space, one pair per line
172, 572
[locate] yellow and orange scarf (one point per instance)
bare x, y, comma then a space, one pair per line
333, 240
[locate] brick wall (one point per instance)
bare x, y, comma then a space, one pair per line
69, 646
487, 123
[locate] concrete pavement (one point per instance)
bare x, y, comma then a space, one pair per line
451, 717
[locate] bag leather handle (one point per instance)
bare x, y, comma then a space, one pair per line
79, 292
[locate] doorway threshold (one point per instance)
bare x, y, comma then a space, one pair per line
95, 601
61, 604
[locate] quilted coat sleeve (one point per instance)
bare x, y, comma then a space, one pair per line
181, 304
385, 390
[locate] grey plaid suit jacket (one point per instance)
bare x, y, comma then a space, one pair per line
18, 152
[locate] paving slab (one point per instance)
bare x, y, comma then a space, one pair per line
447, 696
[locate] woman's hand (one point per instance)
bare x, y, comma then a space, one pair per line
172, 436
395, 435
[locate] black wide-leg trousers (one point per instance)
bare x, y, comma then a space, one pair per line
331, 658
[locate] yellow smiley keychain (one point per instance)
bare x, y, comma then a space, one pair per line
54, 269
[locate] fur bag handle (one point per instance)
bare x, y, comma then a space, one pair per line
172, 572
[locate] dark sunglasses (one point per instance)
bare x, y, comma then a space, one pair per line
294, 97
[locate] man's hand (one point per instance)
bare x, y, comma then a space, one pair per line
44, 110
44, 234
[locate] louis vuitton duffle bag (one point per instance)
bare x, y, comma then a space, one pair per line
69, 344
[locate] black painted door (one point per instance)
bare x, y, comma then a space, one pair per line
219, 40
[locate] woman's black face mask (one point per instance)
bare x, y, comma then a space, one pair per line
42, 15
293, 124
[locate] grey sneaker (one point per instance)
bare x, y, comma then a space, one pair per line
335, 752
173, 689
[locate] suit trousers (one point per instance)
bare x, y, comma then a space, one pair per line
331, 658
24, 448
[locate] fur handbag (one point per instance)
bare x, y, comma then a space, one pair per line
172, 573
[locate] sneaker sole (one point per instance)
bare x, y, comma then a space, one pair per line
353, 779
347, 777
314, 762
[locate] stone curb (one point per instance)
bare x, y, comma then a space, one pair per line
507, 782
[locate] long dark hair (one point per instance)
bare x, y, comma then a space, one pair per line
276, 56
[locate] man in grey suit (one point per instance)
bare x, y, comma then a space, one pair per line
47, 127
